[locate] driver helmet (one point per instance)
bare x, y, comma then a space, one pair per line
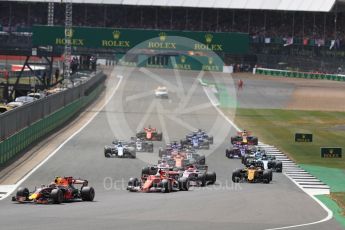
251, 167
57, 180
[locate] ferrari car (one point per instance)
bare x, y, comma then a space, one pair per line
120, 149
62, 189
141, 145
163, 181
244, 137
150, 134
161, 92
252, 175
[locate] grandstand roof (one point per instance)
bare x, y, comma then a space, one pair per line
283, 5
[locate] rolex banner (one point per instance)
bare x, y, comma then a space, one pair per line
180, 62
303, 137
331, 152
113, 38
206, 63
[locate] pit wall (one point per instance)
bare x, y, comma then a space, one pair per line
16, 143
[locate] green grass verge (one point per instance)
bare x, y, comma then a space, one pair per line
278, 127
335, 206
339, 197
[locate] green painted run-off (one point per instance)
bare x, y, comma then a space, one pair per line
333, 207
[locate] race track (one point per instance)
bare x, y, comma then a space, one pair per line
220, 206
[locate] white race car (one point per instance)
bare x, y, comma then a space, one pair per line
161, 92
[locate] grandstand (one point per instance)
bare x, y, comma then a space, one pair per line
303, 34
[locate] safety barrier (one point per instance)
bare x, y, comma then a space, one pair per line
21, 140
295, 74
17, 119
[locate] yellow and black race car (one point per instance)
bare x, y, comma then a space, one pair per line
252, 175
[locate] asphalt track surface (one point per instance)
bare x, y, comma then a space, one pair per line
220, 206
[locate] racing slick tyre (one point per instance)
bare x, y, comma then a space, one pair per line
23, 192
235, 139
202, 179
202, 160
87, 193
236, 176
145, 171
107, 152
243, 160
227, 154
270, 172
150, 148
253, 140
166, 186
279, 167
140, 135
207, 145
184, 142
211, 177
266, 177
57, 196
159, 136
161, 152
133, 182
210, 139
183, 183
132, 155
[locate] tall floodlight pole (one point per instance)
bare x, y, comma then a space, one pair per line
68, 39
50, 14
50, 20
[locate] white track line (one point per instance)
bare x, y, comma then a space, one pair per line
60, 146
329, 212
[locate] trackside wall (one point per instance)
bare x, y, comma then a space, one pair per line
13, 145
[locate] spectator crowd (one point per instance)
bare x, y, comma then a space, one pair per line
307, 28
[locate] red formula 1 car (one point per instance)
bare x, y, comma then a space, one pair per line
150, 134
61, 190
163, 181
244, 137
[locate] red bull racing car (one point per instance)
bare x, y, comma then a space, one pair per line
244, 137
62, 189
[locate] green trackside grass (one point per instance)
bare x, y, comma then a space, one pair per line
339, 197
277, 127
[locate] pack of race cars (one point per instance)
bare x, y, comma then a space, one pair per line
258, 165
179, 167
